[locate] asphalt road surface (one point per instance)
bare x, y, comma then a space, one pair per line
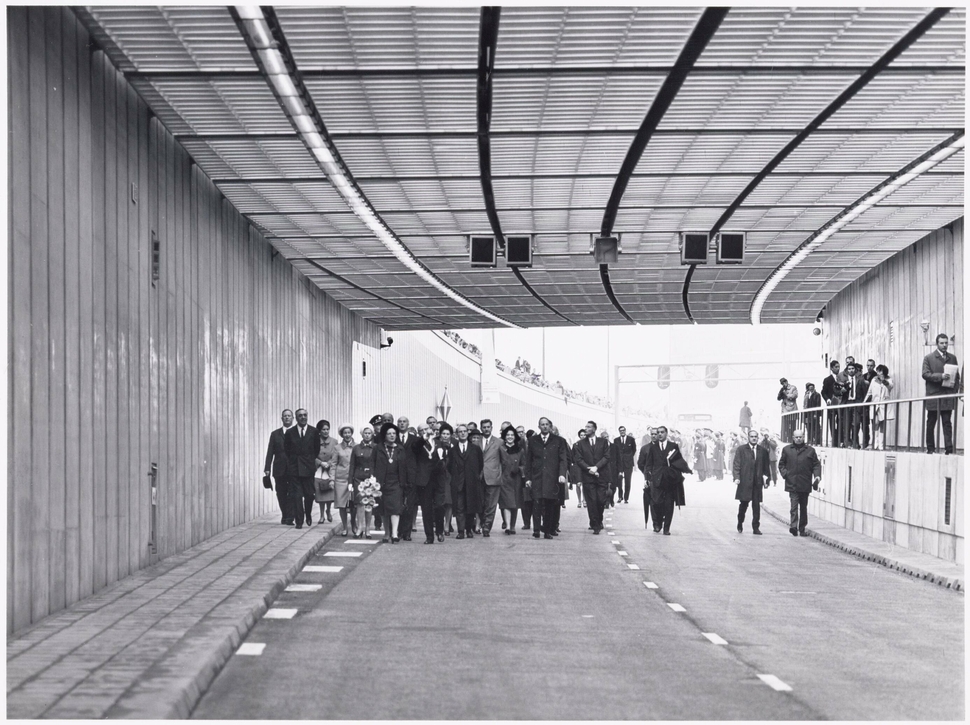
739, 627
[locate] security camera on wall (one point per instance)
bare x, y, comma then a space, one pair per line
816, 329
386, 341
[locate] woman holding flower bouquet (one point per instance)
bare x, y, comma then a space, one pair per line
391, 471
342, 498
362, 469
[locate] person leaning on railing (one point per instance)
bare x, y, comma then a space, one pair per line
942, 378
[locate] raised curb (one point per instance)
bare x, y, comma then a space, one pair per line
209, 667
948, 582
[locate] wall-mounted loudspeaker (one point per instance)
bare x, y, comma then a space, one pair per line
518, 251
606, 250
730, 247
481, 251
693, 247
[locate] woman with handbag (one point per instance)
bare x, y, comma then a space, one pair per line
323, 482
362, 468
342, 498
391, 472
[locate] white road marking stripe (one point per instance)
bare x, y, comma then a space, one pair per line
304, 587
323, 569
615, 542
676, 607
359, 542
632, 566
774, 683
344, 553
714, 638
622, 553
650, 585
587, 616
251, 648
280, 614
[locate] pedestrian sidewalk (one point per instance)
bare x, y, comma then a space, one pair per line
924, 566
149, 645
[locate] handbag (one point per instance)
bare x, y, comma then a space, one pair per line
322, 481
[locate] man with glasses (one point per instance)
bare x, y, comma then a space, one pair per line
800, 467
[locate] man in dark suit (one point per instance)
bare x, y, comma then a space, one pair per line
467, 467
751, 475
665, 467
426, 454
302, 446
276, 465
813, 419
642, 465
593, 459
832, 393
626, 450
940, 382
545, 471
857, 389
411, 444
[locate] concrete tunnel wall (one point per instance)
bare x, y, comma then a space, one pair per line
110, 372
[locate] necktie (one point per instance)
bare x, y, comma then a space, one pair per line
301, 431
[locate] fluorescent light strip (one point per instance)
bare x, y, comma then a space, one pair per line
276, 72
853, 212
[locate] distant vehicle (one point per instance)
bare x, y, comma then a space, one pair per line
695, 417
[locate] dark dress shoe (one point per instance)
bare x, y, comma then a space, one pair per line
441, 538
596, 531
740, 529
329, 517
525, 528
395, 540
793, 532
504, 526
802, 532
536, 534
461, 535
486, 535
406, 538
469, 535
429, 541
756, 532
666, 533
548, 536
656, 530
511, 531
448, 533
309, 521
299, 526
555, 533
385, 540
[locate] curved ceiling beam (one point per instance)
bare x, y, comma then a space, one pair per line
918, 31
487, 42
931, 158
266, 42
698, 40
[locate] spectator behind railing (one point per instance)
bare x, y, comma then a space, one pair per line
880, 389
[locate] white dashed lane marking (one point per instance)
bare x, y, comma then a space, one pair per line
313, 569
650, 585
280, 614
254, 649
716, 639
774, 683
359, 542
344, 553
632, 566
622, 553
304, 587
676, 607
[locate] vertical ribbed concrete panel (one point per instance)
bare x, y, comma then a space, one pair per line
109, 373
922, 283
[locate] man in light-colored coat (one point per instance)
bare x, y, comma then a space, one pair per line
939, 382
751, 472
493, 475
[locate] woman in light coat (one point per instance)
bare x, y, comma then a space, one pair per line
880, 391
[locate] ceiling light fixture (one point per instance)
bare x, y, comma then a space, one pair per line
288, 89
921, 165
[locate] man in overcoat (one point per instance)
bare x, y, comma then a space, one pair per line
642, 465
626, 450
665, 467
426, 458
593, 459
938, 382
302, 446
751, 474
466, 482
545, 471
277, 466
802, 471
492, 474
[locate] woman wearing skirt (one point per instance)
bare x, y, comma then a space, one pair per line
342, 498
361, 468
510, 495
391, 471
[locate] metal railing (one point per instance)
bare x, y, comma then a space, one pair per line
893, 425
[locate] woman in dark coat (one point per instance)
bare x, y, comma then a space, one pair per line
575, 479
510, 495
441, 479
391, 471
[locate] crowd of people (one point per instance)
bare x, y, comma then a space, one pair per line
460, 476
857, 402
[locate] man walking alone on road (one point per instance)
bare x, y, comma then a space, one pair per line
751, 474
800, 467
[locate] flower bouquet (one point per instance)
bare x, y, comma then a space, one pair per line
369, 491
